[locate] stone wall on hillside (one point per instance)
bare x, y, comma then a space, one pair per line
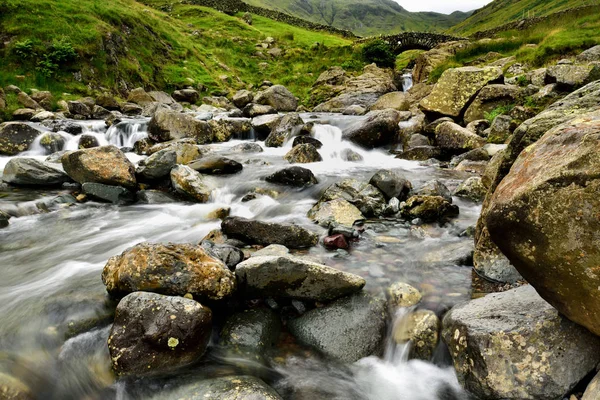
235, 6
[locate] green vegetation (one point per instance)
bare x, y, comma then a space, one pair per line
380, 53
561, 37
501, 110
500, 12
86, 46
364, 17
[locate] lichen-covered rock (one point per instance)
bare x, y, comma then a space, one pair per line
153, 334
428, 208
253, 110
420, 153
264, 124
590, 55
366, 197
242, 98
471, 189
186, 150
283, 129
337, 212
394, 100
292, 277
346, 330
13, 389
266, 233
106, 193
106, 164
500, 129
422, 329
456, 88
514, 345
216, 165
303, 154
186, 95
435, 187
293, 176
490, 98
32, 172
490, 263
278, 97
16, 137
191, 184
573, 76
158, 165
542, 216
168, 125
391, 184
378, 128
171, 269
226, 128
454, 139
224, 388
401, 294
251, 331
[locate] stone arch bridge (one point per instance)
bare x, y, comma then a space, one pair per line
415, 40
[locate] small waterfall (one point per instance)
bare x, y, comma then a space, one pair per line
126, 133
407, 82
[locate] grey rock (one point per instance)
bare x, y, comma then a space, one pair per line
251, 331
110, 194
158, 165
391, 184
216, 165
227, 253
168, 125
435, 187
32, 172
293, 176
378, 128
154, 197
265, 233
191, 184
224, 388
278, 97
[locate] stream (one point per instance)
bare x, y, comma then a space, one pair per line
52, 261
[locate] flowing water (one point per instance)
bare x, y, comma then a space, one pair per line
51, 263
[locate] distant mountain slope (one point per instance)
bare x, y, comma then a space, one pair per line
364, 17
500, 12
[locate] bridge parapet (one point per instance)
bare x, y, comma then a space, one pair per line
414, 40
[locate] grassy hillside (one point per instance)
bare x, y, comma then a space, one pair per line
500, 12
81, 46
363, 17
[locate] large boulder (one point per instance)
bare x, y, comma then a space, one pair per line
266, 233
293, 176
109, 194
168, 125
346, 330
292, 277
153, 334
514, 345
336, 212
490, 98
242, 98
191, 184
394, 100
263, 125
543, 217
428, 61
106, 164
186, 150
186, 95
457, 87
216, 165
32, 172
303, 154
16, 137
366, 197
278, 97
428, 208
283, 129
454, 139
569, 77
391, 184
223, 388
158, 165
590, 55
226, 128
171, 269
139, 96
378, 128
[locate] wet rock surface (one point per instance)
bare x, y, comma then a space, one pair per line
107, 165
266, 233
32, 172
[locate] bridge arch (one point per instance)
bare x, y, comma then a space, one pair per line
416, 40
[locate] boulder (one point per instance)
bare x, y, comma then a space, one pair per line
452, 138
427, 61
378, 128
292, 277
435, 187
154, 197
16, 137
224, 388
251, 331
264, 124
479, 154
428, 209
592, 392
106, 164
420, 153
350, 155
4, 217
590, 55
514, 345
283, 129
133, 109
216, 165
52, 142
226, 128
479, 126
186, 95
99, 113
169, 125
293, 176
110, 194
227, 253
24, 114
394, 100
354, 110
158, 165
140, 97
27, 102
570, 77
265, 233
366, 197
401, 294
422, 329
186, 150
542, 218
78, 108
191, 184
32, 172
248, 147
278, 97
457, 87
153, 334
42, 116
490, 98
500, 129
391, 184
346, 330
108, 101
303, 154
87, 142
490, 263
242, 98
471, 189
171, 269
299, 140
337, 212
253, 110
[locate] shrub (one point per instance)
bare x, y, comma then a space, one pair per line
24, 49
352, 65
61, 53
380, 53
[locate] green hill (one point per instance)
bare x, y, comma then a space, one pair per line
364, 17
500, 12
82, 46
